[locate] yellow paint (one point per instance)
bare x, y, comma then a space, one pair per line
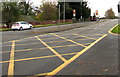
69, 40
86, 37
38, 75
40, 57
50, 48
81, 39
55, 41
110, 31
11, 63
20, 44
44, 48
23, 39
73, 58
39, 48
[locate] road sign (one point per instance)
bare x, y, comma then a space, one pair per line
96, 12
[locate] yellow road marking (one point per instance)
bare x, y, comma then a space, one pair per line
50, 38
45, 48
38, 43
69, 40
11, 63
110, 31
55, 41
20, 44
34, 58
50, 48
86, 43
73, 58
23, 38
6, 42
38, 75
81, 39
95, 34
40, 48
85, 37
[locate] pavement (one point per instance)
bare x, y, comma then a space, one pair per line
86, 50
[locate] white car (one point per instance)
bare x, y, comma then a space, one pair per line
21, 25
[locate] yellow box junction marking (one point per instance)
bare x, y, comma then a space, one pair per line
11, 63
69, 40
45, 48
73, 58
62, 58
23, 38
85, 37
34, 58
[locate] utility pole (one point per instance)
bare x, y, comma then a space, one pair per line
59, 19
81, 10
64, 12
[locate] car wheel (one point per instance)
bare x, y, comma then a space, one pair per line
13, 29
30, 27
20, 29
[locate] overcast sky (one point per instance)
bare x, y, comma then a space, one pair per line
100, 5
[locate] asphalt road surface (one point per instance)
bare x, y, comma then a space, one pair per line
88, 50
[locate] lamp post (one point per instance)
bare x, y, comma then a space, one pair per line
59, 19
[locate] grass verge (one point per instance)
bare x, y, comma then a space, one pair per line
5, 29
116, 29
36, 26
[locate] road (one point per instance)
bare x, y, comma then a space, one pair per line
88, 50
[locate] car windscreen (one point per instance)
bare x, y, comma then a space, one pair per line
15, 23
23, 23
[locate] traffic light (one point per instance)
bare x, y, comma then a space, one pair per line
74, 13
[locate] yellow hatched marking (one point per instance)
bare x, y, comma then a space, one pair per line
20, 44
45, 48
34, 58
96, 34
39, 48
69, 40
86, 37
55, 41
50, 48
86, 43
11, 63
73, 58
23, 39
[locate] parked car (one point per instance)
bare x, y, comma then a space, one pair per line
21, 25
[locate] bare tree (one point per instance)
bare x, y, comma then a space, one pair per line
48, 11
110, 14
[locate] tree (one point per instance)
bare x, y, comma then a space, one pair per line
10, 12
81, 9
48, 11
25, 8
110, 14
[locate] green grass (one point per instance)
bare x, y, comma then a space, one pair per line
36, 26
116, 29
5, 29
